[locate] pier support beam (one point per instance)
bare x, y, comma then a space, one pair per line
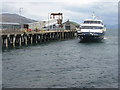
14, 38
36, 38
20, 41
6, 42
26, 40
31, 38
62, 35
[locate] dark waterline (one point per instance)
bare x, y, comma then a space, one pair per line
63, 64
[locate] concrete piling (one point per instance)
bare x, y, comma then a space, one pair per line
14, 41
20, 41
6, 42
25, 40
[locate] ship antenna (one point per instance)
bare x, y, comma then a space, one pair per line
93, 15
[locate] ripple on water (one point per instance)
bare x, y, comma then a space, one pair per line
62, 64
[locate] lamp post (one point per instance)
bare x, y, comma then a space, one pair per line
20, 10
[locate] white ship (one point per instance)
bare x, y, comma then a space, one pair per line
91, 30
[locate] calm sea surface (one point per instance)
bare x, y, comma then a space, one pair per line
62, 64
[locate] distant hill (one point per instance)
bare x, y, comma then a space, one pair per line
15, 18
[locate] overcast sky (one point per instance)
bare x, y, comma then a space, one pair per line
75, 10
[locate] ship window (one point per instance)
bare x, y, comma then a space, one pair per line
85, 21
91, 27
95, 21
92, 22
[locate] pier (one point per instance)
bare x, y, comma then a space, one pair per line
19, 34
27, 38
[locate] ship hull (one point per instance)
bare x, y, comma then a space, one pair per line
90, 36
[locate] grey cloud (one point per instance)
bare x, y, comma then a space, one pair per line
106, 10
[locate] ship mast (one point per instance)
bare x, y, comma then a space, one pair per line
93, 15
